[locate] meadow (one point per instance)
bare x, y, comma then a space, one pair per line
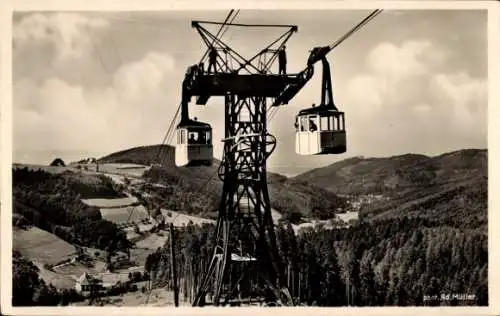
41, 246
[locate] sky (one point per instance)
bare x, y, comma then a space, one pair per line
411, 81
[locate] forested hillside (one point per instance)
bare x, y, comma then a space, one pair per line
403, 262
53, 203
197, 190
452, 187
424, 241
397, 174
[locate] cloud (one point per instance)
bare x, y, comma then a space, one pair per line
404, 96
425, 95
370, 100
73, 117
466, 99
137, 79
399, 62
70, 35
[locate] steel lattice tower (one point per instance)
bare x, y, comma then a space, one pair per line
245, 249
245, 210
245, 257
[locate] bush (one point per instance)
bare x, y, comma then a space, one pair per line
294, 217
323, 213
19, 221
133, 288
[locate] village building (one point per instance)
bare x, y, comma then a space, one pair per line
87, 284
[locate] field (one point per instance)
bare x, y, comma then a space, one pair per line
117, 172
109, 279
158, 297
153, 241
139, 255
76, 269
179, 219
49, 169
346, 217
41, 246
111, 203
120, 179
60, 281
122, 215
130, 170
146, 245
276, 216
120, 210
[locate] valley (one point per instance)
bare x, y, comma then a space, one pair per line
122, 192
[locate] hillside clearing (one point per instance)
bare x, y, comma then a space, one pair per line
76, 269
124, 169
139, 255
111, 203
49, 169
60, 281
153, 241
158, 297
134, 214
41, 246
180, 219
347, 216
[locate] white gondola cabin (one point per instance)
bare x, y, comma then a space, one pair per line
194, 144
320, 131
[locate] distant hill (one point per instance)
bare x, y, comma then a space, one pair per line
449, 185
376, 175
202, 187
144, 155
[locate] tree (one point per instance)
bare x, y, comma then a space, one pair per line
368, 288
101, 242
434, 292
120, 245
333, 287
95, 287
58, 162
482, 295
27, 288
25, 281
108, 255
293, 217
65, 297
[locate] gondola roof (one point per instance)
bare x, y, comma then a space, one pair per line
322, 110
193, 123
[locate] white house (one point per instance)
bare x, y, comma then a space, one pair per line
101, 282
86, 283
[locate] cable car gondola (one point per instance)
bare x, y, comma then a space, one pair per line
320, 130
194, 144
